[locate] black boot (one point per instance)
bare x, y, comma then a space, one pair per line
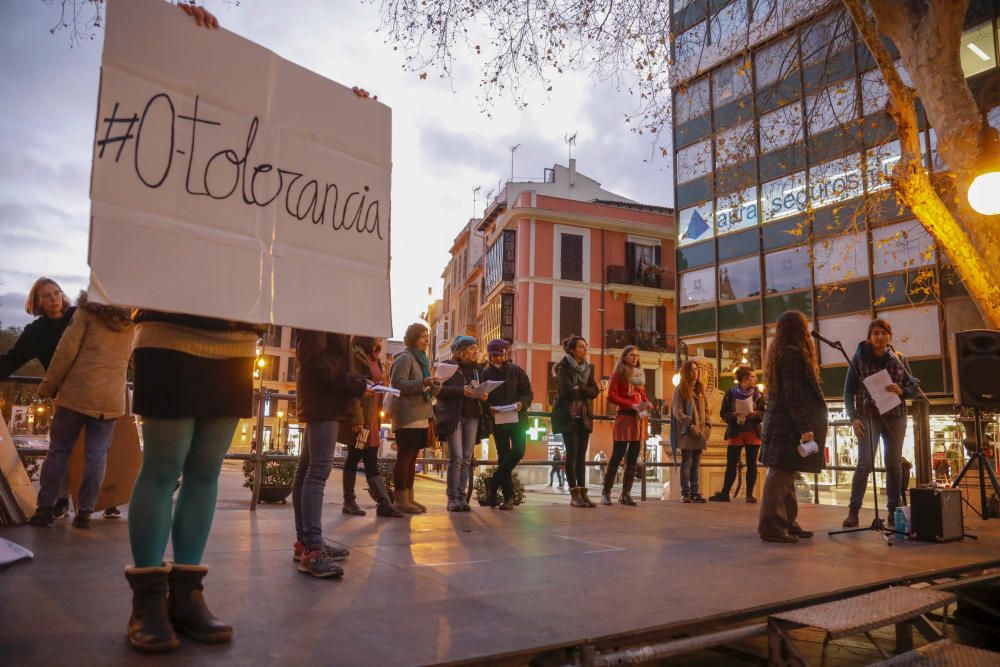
81, 520
350, 500
188, 611
609, 480
149, 628
378, 492
492, 487
628, 478
41, 517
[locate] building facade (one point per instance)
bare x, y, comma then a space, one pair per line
782, 147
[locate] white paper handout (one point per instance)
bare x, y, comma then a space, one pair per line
488, 386
505, 414
11, 552
443, 372
382, 389
744, 406
876, 384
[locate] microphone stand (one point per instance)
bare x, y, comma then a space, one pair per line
877, 525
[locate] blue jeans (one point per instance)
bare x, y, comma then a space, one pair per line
315, 465
66, 425
690, 462
891, 430
461, 446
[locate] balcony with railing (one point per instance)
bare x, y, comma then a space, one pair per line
646, 341
652, 277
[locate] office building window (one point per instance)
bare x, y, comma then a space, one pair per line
901, 246
692, 101
731, 81
739, 280
734, 145
833, 106
787, 270
695, 224
775, 62
697, 287
694, 161
736, 211
827, 37
784, 197
840, 258
781, 127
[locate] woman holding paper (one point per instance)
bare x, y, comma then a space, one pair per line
410, 412
458, 415
509, 409
573, 414
690, 427
879, 366
794, 426
743, 412
627, 390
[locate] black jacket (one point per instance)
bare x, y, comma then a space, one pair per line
794, 407
728, 414
566, 394
452, 404
516, 388
38, 341
326, 386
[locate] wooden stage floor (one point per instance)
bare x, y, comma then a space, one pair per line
453, 587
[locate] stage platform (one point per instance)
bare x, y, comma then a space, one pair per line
455, 587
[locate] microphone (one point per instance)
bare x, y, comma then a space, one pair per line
891, 351
818, 336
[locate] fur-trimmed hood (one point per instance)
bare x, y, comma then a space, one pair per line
113, 317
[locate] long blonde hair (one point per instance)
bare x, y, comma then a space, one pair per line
792, 330
32, 304
688, 389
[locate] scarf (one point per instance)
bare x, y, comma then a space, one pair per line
580, 371
421, 357
742, 394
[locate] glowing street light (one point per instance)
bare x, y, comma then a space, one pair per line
984, 193
676, 379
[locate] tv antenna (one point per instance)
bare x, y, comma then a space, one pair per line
513, 149
475, 193
570, 140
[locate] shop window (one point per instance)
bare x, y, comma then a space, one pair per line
835, 181
978, 51
916, 331
775, 62
730, 82
741, 348
781, 127
848, 329
734, 145
739, 280
787, 270
833, 106
736, 211
840, 258
874, 92
694, 161
827, 37
784, 197
695, 224
703, 347
691, 101
901, 246
697, 287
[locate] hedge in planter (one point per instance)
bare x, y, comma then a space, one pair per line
479, 486
276, 476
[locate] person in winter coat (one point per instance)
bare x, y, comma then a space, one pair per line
627, 390
873, 355
690, 429
87, 378
410, 412
796, 414
53, 312
364, 447
326, 392
510, 439
458, 415
742, 432
573, 414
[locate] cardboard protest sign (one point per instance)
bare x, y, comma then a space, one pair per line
121, 470
230, 183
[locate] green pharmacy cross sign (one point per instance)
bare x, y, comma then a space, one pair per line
535, 431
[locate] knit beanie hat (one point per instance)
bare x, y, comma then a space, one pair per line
497, 346
462, 342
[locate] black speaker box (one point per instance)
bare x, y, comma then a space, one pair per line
975, 368
936, 514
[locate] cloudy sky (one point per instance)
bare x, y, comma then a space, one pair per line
443, 145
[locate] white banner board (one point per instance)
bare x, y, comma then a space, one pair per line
228, 182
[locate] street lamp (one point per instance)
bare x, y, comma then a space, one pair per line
984, 192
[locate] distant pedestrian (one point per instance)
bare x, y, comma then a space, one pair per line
87, 379
796, 414
626, 390
573, 413
557, 469
690, 429
742, 432
510, 438
410, 412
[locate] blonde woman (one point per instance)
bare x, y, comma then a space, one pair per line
689, 429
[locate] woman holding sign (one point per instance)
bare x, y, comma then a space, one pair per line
627, 390
875, 355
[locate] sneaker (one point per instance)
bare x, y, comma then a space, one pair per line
719, 497
506, 505
112, 513
82, 520
454, 505
685, 499
318, 564
333, 551
698, 498
61, 508
751, 500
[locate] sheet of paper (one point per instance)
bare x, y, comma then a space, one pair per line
512, 407
11, 552
443, 372
489, 385
508, 417
744, 406
382, 389
884, 399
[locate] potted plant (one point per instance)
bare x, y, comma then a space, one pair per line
275, 482
479, 486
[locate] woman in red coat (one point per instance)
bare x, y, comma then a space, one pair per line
627, 390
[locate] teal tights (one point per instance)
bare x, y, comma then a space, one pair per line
172, 447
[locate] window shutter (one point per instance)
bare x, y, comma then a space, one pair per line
631, 266
661, 320
570, 316
630, 316
572, 257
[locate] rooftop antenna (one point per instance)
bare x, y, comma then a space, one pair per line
475, 193
570, 142
513, 149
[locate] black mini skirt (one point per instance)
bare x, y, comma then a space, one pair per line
174, 385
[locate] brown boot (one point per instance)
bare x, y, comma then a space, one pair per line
627, 479
576, 499
583, 496
403, 503
609, 479
149, 628
852, 518
422, 508
188, 611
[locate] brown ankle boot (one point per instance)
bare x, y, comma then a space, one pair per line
576, 498
629, 477
609, 479
149, 628
852, 518
188, 611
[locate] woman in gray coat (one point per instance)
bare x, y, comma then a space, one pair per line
410, 412
796, 414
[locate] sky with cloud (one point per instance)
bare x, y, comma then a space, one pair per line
443, 144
